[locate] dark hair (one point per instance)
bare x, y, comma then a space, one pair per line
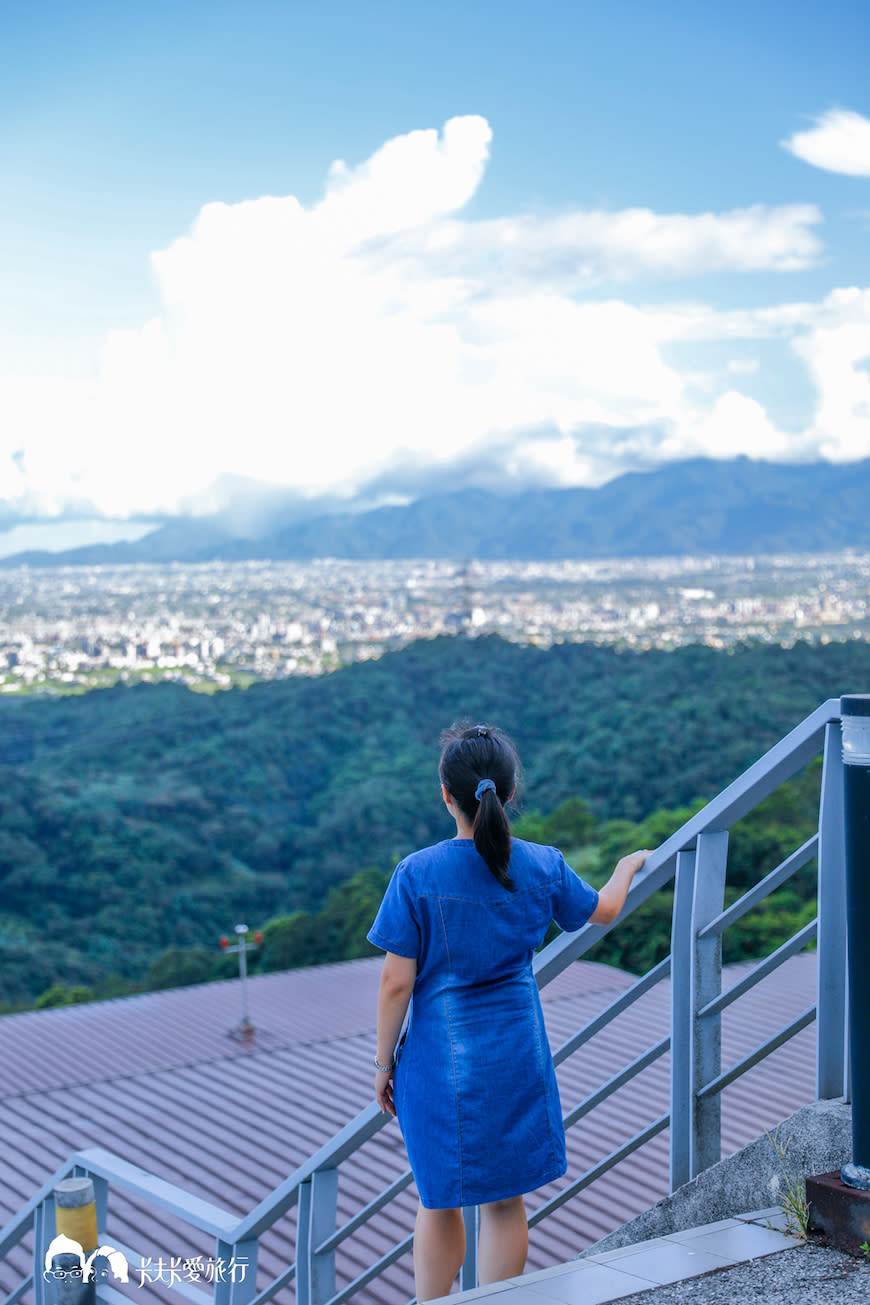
469, 754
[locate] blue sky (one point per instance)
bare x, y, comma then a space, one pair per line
643, 237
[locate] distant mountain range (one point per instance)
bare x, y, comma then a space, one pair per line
692, 507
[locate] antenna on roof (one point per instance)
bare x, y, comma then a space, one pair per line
245, 1028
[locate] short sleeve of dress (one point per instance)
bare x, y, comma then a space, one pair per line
396, 928
574, 900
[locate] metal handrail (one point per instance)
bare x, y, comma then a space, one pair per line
778, 764
616, 1007
374, 1271
680, 854
763, 888
789, 948
637, 1066
369, 1121
598, 1171
362, 1216
797, 1025
100, 1163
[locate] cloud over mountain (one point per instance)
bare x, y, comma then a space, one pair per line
378, 342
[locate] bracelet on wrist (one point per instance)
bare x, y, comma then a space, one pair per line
385, 1069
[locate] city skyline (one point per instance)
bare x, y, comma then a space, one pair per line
349, 251
218, 625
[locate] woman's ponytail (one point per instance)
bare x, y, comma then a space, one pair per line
480, 770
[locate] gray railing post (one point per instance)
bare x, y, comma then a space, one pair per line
315, 1273
43, 1231
682, 954
855, 723
303, 1245
696, 979
236, 1276
468, 1272
710, 867
235, 1281
831, 1030
222, 1285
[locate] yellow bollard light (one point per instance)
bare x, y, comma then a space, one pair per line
76, 1212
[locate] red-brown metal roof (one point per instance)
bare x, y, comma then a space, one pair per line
158, 1080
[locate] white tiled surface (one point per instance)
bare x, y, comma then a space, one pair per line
598, 1279
745, 1242
594, 1285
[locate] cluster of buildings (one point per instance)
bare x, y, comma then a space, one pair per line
218, 624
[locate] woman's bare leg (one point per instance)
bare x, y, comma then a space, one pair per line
439, 1249
504, 1240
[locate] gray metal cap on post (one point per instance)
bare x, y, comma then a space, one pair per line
855, 721
70, 1193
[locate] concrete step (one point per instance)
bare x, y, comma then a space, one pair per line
645, 1266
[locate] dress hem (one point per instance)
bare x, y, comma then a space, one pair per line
504, 1195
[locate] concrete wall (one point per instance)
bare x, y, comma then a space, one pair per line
818, 1139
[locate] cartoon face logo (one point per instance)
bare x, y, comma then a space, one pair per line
86, 1268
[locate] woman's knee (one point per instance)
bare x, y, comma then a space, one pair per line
510, 1206
444, 1218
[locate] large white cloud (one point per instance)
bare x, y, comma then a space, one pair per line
839, 142
378, 340
836, 350
578, 250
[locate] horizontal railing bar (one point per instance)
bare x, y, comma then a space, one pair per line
778, 764
797, 1025
367, 1123
619, 1080
198, 1213
165, 1195
362, 1216
789, 948
763, 888
21, 1225
19, 1291
591, 1175
283, 1280
622, 1002
568, 947
365, 1278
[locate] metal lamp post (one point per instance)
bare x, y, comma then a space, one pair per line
245, 1028
855, 718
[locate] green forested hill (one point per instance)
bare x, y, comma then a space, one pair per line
133, 820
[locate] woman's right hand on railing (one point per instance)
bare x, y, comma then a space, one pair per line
611, 898
633, 862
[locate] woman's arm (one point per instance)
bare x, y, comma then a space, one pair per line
397, 984
611, 898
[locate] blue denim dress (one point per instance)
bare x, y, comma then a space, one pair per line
475, 1088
